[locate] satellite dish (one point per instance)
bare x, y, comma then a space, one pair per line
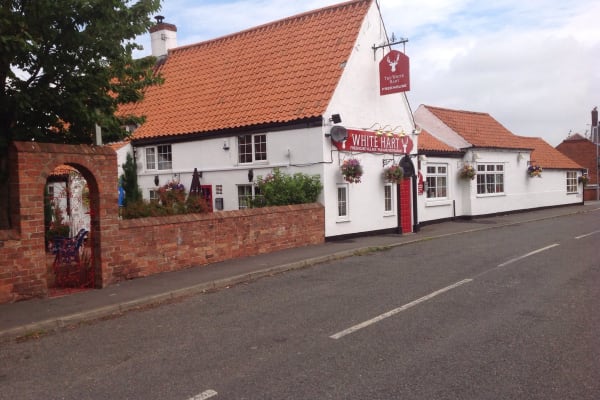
338, 133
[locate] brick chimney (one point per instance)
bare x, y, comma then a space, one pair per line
163, 37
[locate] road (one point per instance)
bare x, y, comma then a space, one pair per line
510, 313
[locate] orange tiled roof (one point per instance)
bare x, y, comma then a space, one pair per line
576, 137
118, 145
546, 156
275, 73
479, 129
427, 142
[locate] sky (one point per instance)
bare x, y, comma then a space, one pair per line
533, 65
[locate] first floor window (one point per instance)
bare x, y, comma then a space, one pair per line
437, 181
388, 198
245, 195
342, 201
490, 178
159, 157
571, 181
252, 148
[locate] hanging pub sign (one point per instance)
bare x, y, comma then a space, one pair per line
370, 142
394, 73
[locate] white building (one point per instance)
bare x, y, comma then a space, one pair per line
238, 106
452, 140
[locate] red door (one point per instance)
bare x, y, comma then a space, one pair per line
404, 205
206, 191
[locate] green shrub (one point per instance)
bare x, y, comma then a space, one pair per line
176, 205
278, 189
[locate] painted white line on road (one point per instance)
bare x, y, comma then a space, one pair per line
355, 328
207, 394
586, 235
528, 254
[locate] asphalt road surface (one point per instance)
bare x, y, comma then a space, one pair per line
510, 313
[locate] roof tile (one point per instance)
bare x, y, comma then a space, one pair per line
278, 72
481, 130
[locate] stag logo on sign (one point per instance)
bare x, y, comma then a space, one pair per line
394, 73
393, 63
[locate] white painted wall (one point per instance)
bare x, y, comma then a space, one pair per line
360, 106
521, 192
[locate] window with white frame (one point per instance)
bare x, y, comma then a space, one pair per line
437, 181
342, 202
252, 148
388, 199
153, 194
159, 157
490, 178
245, 195
571, 181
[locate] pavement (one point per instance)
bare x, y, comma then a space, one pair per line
35, 317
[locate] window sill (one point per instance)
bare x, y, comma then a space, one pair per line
437, 203
342, 221
491, 195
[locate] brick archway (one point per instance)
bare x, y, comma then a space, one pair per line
31, 163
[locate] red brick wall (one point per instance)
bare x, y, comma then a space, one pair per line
131, 248
147, 246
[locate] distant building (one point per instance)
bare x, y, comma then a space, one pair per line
585, 152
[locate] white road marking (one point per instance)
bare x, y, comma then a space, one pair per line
207, 394
528, 254
397, 310
586, 235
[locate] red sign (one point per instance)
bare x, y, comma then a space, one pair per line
370, 142
394, 73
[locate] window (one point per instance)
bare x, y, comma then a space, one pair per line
342, 201
218, 189
252, 148
159, 157
153, 195
437, 181
571, 181
388, 199
245, 194
490, 178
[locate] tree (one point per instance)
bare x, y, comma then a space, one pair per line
67, 65
129, 181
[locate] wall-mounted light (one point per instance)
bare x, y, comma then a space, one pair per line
176, 178
156, 181
417, 130
250, 175
335, 118
520, 157
225, 145
474, 156
422, 157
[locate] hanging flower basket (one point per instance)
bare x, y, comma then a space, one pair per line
534, 170
467, 172
352, 170
583, 179
393, 174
